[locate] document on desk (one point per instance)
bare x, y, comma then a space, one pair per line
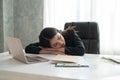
114, 58
65, 59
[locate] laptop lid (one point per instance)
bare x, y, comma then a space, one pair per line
16, 49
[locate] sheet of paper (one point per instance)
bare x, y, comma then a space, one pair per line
65, 58
114, 58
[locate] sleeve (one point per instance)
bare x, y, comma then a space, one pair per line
32, 48
77, 47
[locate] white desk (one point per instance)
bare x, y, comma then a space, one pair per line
98, 69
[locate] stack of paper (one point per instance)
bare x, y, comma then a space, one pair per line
115, 58
65, 59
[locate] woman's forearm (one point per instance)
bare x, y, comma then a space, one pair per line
52, 51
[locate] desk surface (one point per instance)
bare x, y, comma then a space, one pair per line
98, 69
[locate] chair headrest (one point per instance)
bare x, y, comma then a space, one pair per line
86, 30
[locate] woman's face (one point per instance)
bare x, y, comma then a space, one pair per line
57, 41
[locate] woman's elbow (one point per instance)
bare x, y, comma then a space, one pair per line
27, 50
82, 52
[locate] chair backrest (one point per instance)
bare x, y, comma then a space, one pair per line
89, 33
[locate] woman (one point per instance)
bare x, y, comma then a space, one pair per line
53, 41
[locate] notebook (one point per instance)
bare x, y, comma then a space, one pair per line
114, 58
16, 50
65, 59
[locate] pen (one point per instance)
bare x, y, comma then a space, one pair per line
70, 65
84, 65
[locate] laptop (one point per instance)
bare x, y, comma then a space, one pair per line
16, 50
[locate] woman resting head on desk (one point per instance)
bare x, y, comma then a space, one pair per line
53, 41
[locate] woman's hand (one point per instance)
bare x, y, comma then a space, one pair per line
52, 51
55, 49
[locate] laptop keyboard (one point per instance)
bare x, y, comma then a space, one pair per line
30, 59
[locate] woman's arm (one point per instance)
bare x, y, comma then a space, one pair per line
52, 51
33, 48
76, 45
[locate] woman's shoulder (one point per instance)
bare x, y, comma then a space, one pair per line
72, 32
69, 32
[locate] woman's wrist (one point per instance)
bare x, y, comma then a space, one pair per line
62, 50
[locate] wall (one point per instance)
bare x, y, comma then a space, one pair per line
28, 20
22, 19
1, 27
8, 18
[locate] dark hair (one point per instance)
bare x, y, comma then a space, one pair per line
48, 33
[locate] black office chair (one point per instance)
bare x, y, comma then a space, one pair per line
89, 33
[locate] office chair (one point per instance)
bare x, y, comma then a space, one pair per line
89, 33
